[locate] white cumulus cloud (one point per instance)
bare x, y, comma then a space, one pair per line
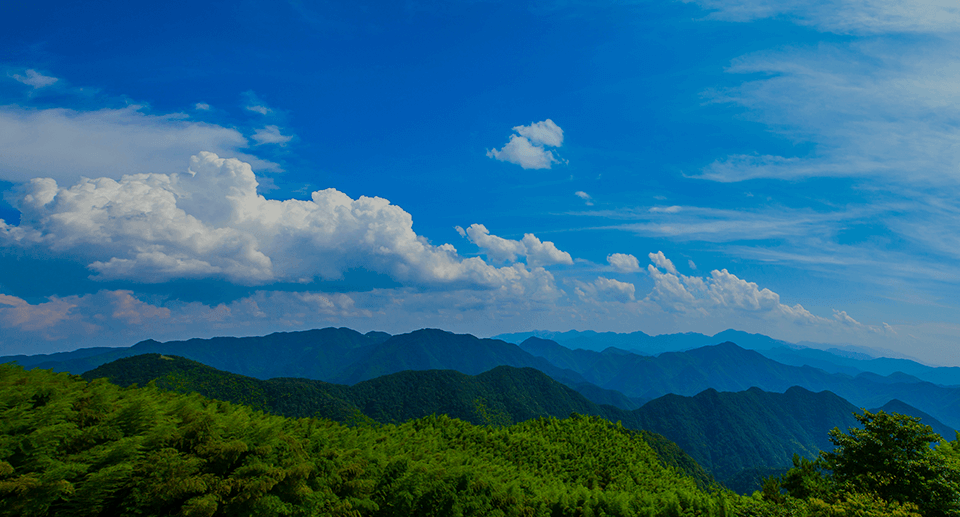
606, 289
624, 262
527, 147
723, 294
499, 249
210, 223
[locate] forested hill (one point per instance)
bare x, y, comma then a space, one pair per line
111, 451
723, 432
501, 396
729, 432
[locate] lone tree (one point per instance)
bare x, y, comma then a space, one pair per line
891, 456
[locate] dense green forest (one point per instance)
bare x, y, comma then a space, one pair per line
501, 396
72, 447
738, 438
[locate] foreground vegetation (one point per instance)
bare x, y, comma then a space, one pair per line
71, 447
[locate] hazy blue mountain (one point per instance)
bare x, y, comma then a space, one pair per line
836, 361
645, 344
314, 354
339, 355
433, 349
850, 359
728, 367
897, 406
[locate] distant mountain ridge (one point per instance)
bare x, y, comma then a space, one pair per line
337, 355
728, 367
614, 376
850, 359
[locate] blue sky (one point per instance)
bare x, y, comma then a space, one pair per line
176, 170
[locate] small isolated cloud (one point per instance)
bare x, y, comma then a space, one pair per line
665, 209
527, 147
584, 196
263, 110
35, 79
623, 262
499, 249
251, 102
271, 135
691, 264
202, 106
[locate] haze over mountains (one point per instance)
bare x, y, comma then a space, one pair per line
729, 408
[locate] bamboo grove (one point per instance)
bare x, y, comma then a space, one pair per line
78, 448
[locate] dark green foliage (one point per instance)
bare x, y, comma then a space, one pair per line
891, 456
727, 433
68, 447
501, 396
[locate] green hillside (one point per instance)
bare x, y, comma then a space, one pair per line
501, 396
730, 432
68, 447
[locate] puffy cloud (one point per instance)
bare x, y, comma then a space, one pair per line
202, 106
663, 262
65, 144
724, 294
211, 223
623, 262
499, 249
691, 264
16, 313
584, 196
35, 79
542, 133
606, 289
526, 148
271, 135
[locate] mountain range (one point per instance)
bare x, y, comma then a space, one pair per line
731, 409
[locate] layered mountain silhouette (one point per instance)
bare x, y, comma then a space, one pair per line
728, 367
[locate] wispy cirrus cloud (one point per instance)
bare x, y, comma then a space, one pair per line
66, 144
35, 79
845, 16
